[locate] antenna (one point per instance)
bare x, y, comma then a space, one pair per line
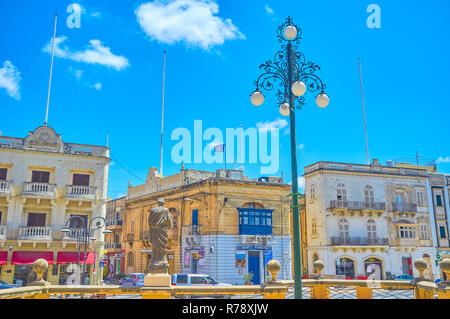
51, 69
364, 113
107, 139
162, 115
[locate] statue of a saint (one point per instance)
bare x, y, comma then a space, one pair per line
159, 224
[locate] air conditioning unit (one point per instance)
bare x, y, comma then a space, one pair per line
258, 239
244, 239
187, 240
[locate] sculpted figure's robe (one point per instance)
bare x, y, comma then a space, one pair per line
159, 223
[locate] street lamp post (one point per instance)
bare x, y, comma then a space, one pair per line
84, 237
295, 76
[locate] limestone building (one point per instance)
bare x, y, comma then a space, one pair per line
225, 225
366, 217
44, 181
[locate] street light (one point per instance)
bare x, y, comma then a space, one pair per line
84, 236
295, 76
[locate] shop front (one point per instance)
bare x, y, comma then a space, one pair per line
255, 259
71, 267
23, 261
194, 259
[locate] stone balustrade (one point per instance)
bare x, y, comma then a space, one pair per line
39, 189
35, 233
78, 191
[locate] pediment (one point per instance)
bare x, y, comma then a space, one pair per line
44, 138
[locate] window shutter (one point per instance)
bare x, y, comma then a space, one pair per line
3, 174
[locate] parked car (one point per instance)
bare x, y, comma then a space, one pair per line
132, 280
197, 280
4, 285
404, 277
110, 280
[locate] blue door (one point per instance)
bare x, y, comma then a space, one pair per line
195, 217
253, 266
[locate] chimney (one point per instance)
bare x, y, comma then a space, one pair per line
375, 162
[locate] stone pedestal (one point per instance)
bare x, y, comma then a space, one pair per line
157, 280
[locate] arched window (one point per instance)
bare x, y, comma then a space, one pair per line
253, 205
313, 227
343, 228
315, 257
174, 214
341, 193
368, 196
371, 232
116, 239
130, 259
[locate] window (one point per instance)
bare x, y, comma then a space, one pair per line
313, 227
80, 179
371, 231
3, 174
442, 232
198, 281
341, 193
36, 219
419, 195
1, 218
312, 191
343, 228
408, 232
130, 259
253, 221
368, 195
182, 279
40, 177
175, 221
423, 231
438, 200
78, 221
116, 239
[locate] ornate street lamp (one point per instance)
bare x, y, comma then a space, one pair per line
84, 236
295, 76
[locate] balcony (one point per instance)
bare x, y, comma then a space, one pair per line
35, 233
404, 208
114, 224
113, 246
5, 188
74, 234
40, 189
359, 241
81, 192
192, 230
356, 205
130, 237
3, 232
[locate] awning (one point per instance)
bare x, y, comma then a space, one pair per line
65, 257
29, 257
3, 257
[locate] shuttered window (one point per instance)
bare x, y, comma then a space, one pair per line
40, 177
36, 219
80, 179
3, 174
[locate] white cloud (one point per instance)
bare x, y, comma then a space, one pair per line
301, 183
77, 73
269, 10
95, 53
443, 159
191, 21
9, 79
97, 86
279, 123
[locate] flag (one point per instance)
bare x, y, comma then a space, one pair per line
219, 148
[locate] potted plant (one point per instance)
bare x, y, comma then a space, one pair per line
248, 277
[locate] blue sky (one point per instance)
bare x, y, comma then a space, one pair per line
107, 77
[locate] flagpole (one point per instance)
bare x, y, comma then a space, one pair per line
162, 115
51, 69
364, 113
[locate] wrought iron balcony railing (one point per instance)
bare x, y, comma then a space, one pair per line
404, 207
114, 222
359, 241
75, 234
192, 230
357, 205
113, 246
